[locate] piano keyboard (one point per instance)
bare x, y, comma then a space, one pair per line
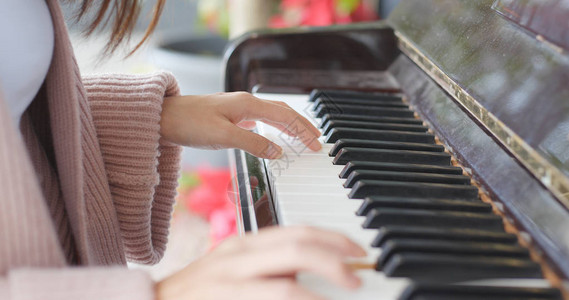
381, 179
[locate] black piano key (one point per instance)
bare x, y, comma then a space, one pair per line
397, 167
390, 232
344, 101
315, 94
348, 154
435, 267
378, 135
422, 203
368, 188
405, 176
342, 143
425, 291
379, 217
346, 117
363, 110
466, 249
373, 125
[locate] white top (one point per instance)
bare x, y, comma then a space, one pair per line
26, 49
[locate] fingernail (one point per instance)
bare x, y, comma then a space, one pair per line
314, 144
318, 145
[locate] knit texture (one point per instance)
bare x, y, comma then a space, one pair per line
87, 182
141, 168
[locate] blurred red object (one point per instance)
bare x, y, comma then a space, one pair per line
209, 199
223, 225
322, 12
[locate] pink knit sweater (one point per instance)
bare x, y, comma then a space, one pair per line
90, 186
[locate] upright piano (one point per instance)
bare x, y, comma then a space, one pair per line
445, 132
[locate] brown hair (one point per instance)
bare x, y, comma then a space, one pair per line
123, 15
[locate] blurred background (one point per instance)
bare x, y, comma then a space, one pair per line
189, 42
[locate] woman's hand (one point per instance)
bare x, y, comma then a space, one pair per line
264, 266
223, 120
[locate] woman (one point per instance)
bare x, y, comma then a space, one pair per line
89, 167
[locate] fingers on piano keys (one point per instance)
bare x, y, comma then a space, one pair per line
431, 226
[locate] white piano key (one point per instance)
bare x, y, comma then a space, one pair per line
308, 204
325, 160
512, 282
324, 171
377, 286
340, 212
313, 188
295, 153
337, 223
322, 179
287, 141
374, 286
311, 204
324, 218
286, 163
326, 147
351, 226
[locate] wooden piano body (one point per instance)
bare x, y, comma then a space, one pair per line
490, 78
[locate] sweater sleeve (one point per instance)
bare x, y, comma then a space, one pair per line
112, 283
27, 238
142, 168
